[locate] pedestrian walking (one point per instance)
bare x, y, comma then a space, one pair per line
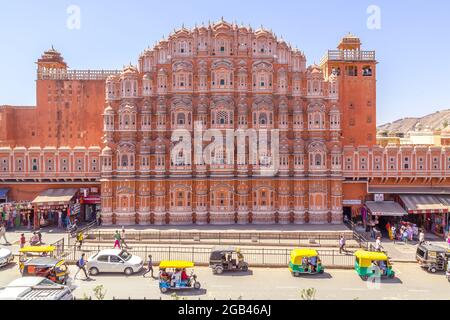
122, 239
117, 239
98, 218
3, 233
81, 264
378, 244
149, 266
80, 238
421, 236
60, 221
342, 244
22, 241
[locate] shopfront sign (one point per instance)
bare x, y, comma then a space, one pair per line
352, 202
92, 200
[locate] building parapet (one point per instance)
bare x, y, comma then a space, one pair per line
348, 55
76, 74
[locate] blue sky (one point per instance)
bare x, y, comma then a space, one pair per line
412, 45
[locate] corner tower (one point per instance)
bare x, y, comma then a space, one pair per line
356, 73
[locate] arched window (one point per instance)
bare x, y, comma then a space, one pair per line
318, 160
263, 119
124, 160
181, 118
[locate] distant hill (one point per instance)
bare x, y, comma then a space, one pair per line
437, 120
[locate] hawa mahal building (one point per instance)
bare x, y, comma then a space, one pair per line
112, 135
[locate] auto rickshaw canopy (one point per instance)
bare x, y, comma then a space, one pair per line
45, 262
37, 249
176, 264
434, 248
219, 252
366, 257
298, 254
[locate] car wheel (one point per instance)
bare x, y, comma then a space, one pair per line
128, 271
296, 274
433, 270
93, 271
219, 270
245, 268
197, 285
163, 289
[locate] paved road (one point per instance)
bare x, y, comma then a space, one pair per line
270, 284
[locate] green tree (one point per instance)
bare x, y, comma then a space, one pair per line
308, 294
100, 292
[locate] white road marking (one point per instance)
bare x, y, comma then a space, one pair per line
287, 288
353, 289
219, 286
418, 290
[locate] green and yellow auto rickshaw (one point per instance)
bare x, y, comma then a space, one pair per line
368, 264
305, 261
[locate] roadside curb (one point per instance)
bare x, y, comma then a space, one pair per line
403, 261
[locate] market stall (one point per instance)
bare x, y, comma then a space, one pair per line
16, 214
421, 208
56, 207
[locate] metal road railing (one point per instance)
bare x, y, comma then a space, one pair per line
235, 238
200, 255
358, 237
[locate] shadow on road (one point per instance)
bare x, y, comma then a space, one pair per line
186, 292
235, 274
10, 266
318, 276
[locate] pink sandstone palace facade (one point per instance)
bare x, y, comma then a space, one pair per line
114, 132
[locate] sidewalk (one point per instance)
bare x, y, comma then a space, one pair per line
401, 252
49, 236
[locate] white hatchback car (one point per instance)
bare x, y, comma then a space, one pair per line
114, 260
6, 257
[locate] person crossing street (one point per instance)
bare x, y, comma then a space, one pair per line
81, 264
149, 266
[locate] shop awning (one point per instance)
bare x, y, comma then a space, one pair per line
53, 197
420, 204
419, 190
445, 200
3, 193
386, 209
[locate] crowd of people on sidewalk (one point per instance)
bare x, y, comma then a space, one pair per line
404, 231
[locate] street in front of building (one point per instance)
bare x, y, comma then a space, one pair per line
267, 284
